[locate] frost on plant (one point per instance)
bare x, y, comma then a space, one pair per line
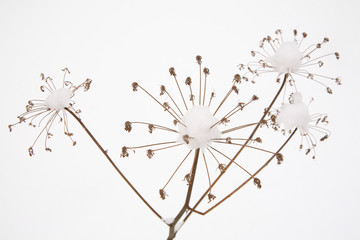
290, 56
196, 123
198, 131
296, 115
52, 107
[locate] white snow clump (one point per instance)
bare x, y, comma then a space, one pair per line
294, 114
59, 99
168, 220
178, 225
199, 130
287, 58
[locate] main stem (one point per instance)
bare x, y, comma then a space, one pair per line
172, 232
111, 162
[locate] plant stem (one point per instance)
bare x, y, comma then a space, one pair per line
111, 162
172, 232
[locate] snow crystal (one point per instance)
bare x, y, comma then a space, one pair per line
287, 58
295, 114
59, 99
198, 122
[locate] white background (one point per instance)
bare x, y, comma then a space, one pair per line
73, 193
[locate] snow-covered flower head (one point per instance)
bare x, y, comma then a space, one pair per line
52, 107
289, 57
197, 124
295, 114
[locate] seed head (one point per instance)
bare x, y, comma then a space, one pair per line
337, 55
237, 78
135, 86
211, 197
222, 167
163, 194
151, 128
257, 183
198, 59
124, 152
279, 158
172, 71
187, 178
128, 126
31, 151
186, 139
324, 138
149, 153
55, 105
206, 71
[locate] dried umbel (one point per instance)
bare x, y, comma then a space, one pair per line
295, 114
51, 108
199, 124
290, 57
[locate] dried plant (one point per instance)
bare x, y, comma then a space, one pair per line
201, 123
52, 107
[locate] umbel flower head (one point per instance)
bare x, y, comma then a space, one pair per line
196, 124
290, 57
296, 115
52, 107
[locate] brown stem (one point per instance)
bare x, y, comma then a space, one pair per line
112, 163
172, 232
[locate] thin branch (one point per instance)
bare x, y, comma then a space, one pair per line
200, 84
150, 145
176, 145
230, 160
112, 163
224, 99
238, 127
157, 126
207, 170
239, 144
177, 169
205, 69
